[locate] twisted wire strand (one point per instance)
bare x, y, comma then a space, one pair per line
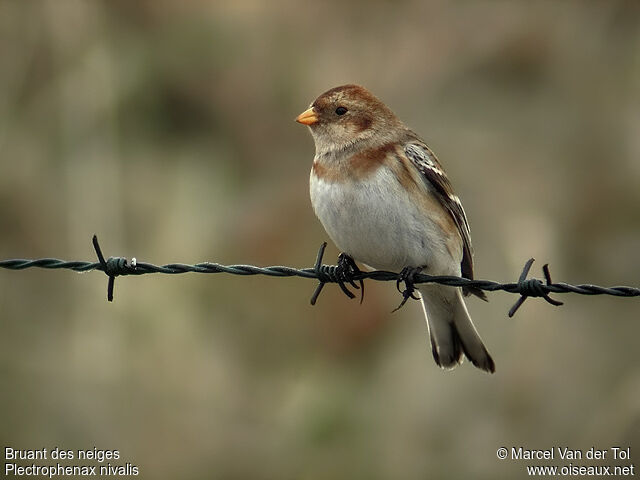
525, 287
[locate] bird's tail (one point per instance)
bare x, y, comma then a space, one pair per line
451, 329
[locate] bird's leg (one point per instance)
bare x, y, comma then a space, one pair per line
407, 275
345, 272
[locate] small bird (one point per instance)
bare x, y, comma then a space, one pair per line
385, 201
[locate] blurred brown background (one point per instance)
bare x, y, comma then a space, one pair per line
167, 129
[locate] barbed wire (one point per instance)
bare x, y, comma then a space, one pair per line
345, 273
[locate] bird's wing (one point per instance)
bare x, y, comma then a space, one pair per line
428, 165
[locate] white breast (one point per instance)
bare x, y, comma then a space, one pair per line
375, 222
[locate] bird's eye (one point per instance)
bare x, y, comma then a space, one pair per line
341, 111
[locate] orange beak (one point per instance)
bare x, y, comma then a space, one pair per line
308, 117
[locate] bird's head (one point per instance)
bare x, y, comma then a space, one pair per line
348, 115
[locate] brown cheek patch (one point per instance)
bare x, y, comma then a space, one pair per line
361, 123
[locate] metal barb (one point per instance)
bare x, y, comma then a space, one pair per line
113, 267
112, 279
533, 287
316, 268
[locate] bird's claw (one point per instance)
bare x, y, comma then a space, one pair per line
345, 272
407, 275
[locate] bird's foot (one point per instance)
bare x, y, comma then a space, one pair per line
345, 272
407, 275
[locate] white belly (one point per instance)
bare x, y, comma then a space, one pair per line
375, 222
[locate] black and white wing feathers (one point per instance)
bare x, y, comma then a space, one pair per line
429, 166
